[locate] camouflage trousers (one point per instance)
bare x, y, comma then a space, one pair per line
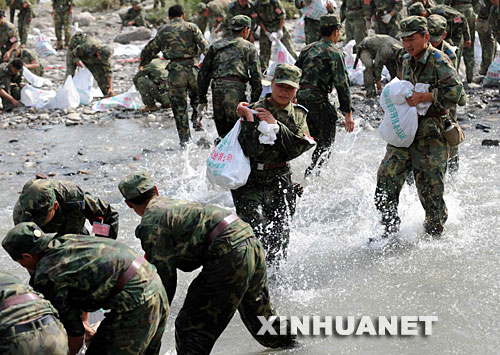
468, 53
488, 44
266, 45
225, 98
100, 75
355, 27
312, 30
151, 91
369, 79
48, 339
138, 331
427, 158
15, 92
23, 22
321, 120
62, 19
390, 29
182, 80
267, 202
234, 281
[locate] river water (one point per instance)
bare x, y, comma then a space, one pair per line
331, 270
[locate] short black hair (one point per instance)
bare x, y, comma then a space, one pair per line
17, 63
327, 31
139, 200
238, 31
175, 11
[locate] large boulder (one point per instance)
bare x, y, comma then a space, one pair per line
84, 18
133, 34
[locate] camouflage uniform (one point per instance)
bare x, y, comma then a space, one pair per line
488, 43
47, 334
75, 206
151, 82
80, 273
23, 18
495, 22
62, 19
83, 47
375, 52
355, 13
214, 18
11, 83
180, 42
269, 14
235, 9
323, 68
8, 38
428, 155
231, 63
428, 4
381, 8
267, 201
29, 56
177, 234
311, 26
134, 15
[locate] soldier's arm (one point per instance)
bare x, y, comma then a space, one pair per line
200, 40
341, 83
294, 140
95, 209
367, 9
149, 51
255, 75
449, 87
378, 64
465, 29
205, 75
71, 62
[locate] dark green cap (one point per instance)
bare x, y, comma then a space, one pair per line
416, 9
37, 199
437, 27
135, 2
287, 74
135, 184
26, 237
240, 21
413, 24
329, 20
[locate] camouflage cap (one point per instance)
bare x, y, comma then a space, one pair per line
201, 7
240, 21
329, 20
37, 199
135, 184
413, 24
26, 237
437, 27
264, 2
416, 9
105, 52
287, 74
135, 2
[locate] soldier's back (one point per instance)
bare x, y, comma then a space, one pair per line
177, 39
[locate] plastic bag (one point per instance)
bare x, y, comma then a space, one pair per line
492, 77
300, 34
282, 56
131, 100
35, 80
66, 97
400, 122
315, 9
42, 45
33, 97
83, 81
227, 165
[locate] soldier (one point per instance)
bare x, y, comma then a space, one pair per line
311, 25
8, 39
180, 42
271, 18
211, 14
96, 57
151, 82
11, 83
357, 14
134, 16
185, 235
427, 156
385, 14
30, 60
427, 3
62, 10
23, 18
267, 201
28, 323
323, 68
80, 273
62, 207
486, 37
241, 7
375, 52
231, 62
495, 19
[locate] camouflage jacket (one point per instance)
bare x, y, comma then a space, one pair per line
75, 205
270, 14
174, 235
8, 35
323, 66
29, 56
429, 4
456, 23
447, 49
177, 40
134, 15
155, 71
382, 7
7, 77
232, 56
436, 69
11, 286
355, 8
84, 47
78, 273
234, 9
292, 139
22, 5
62, 5
383, 48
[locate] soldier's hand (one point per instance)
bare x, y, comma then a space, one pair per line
329, 6
265, 115
243, 111
79, 64
418, 97
467, 44
379, 85
52, 13
110, 93
14, 102
349, 122
89, 331
202, 107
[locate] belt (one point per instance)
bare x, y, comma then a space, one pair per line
13, 300
127, 275
220, 227
26, 327
354, 8
263, 166
231, 78
435, 114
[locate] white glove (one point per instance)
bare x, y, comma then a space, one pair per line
268, 34
386, 18
202, 107
274, 37
279, 34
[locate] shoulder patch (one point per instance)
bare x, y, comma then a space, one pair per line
450, 53
406, 56
439, 58
440, 11
75, 205
302, 107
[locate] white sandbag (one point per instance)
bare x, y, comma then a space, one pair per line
66, 97
33, 97
316, 9
282, 56
42, 44
128, 50
35, 80
492, 77
131, 100
356, 75
83, 81
300, 34
400, 122
227, 165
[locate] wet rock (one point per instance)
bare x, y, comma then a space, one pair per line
136, 34
491, 142
151, 118
29, 164
82, 172
84, 19
13, 141
44, 117
482, 126
203, 143
136, 157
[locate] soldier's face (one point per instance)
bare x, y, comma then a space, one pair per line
283, 94
438, 43
243, 2
416, 44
